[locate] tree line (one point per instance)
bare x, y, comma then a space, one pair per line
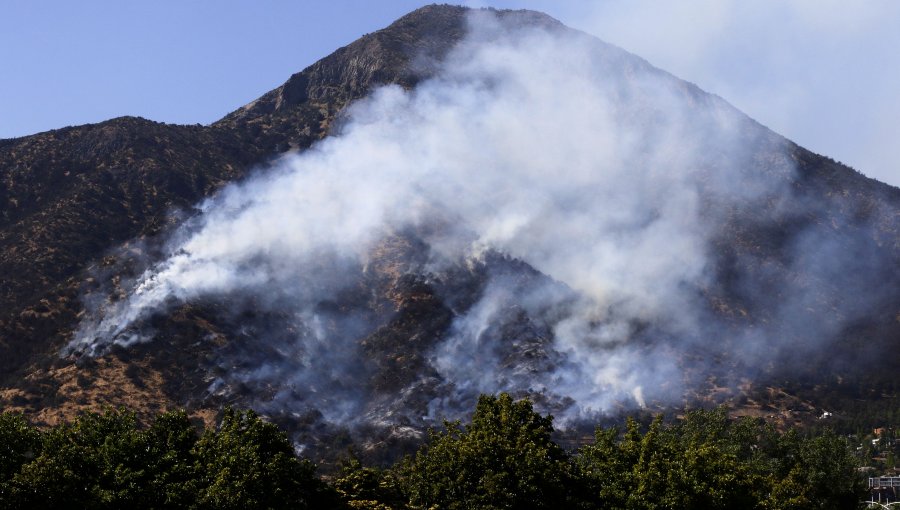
504, 458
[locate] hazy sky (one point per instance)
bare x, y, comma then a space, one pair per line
825, 73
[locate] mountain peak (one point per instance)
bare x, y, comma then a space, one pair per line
403, 53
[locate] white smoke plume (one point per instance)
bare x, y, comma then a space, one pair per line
540, 144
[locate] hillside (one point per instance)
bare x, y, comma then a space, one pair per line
782, 298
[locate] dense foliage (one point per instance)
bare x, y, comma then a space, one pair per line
709, 461
504, 458
105, 461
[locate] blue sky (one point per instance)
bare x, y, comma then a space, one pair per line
825, 73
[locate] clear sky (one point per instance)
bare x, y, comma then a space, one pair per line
825, 73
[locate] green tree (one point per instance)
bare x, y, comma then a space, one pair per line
606, 467
249, 463
830, 475
99, 461
708, 461
171, 463
713, 463
503, 459
361, 487
20, 443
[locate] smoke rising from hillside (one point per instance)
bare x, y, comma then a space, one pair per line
606, 175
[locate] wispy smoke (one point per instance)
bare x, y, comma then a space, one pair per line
610, 178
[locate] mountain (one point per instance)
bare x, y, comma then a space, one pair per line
753, 272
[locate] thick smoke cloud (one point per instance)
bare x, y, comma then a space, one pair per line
542, 145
